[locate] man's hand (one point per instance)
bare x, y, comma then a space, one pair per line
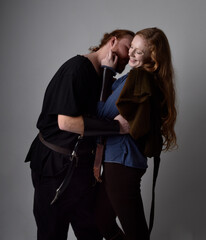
110, 60
124, 125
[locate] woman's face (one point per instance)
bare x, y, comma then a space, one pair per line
138, 52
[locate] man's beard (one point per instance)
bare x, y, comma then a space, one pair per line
120, 68
121, 63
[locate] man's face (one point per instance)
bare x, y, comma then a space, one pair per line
121, 48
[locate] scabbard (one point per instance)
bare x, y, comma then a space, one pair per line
67, 179
65, 183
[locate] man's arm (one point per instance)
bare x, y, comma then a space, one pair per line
93, 126
71, 124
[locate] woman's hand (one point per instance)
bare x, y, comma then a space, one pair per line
124, 125
110, 60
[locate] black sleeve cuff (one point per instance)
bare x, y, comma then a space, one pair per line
100, 127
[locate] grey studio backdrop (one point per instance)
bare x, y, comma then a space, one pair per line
37, 36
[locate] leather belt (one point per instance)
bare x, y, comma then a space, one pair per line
73, 159
54, 147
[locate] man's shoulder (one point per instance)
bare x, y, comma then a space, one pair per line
76, 65
76, 61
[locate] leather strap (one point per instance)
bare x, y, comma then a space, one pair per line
155, 173
98, 161
54, 147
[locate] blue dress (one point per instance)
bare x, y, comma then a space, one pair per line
120, 149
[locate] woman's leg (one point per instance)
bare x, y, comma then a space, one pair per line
122, 185
106, 217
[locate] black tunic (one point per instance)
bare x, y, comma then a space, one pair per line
73, 91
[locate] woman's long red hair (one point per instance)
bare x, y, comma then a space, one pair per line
161, 64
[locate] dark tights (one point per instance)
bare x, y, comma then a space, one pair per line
119, 195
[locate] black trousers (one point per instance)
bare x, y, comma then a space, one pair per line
119, 195
75, 207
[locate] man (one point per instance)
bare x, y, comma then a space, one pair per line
62, 155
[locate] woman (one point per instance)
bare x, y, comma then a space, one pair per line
146, 99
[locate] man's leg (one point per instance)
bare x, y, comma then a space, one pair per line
75, 205
52, 223
83, 221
